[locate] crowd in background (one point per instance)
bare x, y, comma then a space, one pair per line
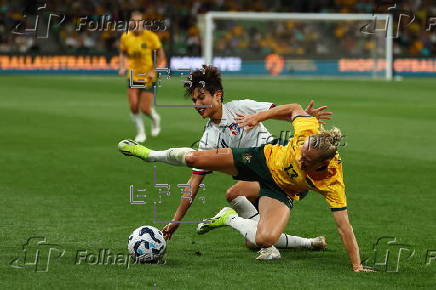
183, 37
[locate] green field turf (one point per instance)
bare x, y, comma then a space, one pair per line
62, 178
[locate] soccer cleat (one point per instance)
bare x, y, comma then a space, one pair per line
155, 125
141, 137
221, 219
318, 243
132, 148
270, 253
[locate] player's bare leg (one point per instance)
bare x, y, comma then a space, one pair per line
148, 109
248, 189
134, 102
241, 197
274, 216
216, 160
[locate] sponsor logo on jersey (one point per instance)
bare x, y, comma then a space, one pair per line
234, 129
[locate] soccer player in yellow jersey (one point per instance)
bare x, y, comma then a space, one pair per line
308, 162
136, 54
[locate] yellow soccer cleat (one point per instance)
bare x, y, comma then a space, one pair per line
132, 148
221, 219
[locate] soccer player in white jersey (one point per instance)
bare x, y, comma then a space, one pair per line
222, 131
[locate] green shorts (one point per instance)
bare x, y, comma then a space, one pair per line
251, 165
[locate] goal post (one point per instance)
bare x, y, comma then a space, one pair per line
380, 56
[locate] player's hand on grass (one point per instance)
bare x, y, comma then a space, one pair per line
247, 122
360, 268
169, 230
318, 113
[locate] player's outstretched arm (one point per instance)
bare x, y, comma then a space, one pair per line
282, 112
184, 205
348, 239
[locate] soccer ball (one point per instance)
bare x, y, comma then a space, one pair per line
147, 245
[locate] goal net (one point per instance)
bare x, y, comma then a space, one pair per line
300, 44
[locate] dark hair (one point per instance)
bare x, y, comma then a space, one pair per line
207, 77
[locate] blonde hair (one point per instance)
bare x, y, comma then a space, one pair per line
326, 142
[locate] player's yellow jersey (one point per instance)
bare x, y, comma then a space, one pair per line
287, 172
139, 51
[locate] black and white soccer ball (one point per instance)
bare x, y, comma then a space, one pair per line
147, 245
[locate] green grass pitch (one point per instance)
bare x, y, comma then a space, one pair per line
62, 178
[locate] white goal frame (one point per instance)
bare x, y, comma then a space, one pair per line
210, 17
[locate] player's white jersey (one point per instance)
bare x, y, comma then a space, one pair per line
227, 134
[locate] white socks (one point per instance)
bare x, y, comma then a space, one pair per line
173, 156
244, 208
138, 120
139, 123
248, 228
154, 114
287, 241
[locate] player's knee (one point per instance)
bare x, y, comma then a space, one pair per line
192, 159
146, 111
266, 239
232, 193
134, 110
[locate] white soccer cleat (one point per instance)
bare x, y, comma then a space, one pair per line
270, 253
141, 137
318, 243
221, 219
155, 125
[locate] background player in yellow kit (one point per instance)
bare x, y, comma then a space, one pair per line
309, 162
136, 59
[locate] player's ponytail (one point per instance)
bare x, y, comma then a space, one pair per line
326, 142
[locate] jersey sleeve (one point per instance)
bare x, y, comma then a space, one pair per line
304, 126
154, 40
333, 187
251, 107
336, 198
